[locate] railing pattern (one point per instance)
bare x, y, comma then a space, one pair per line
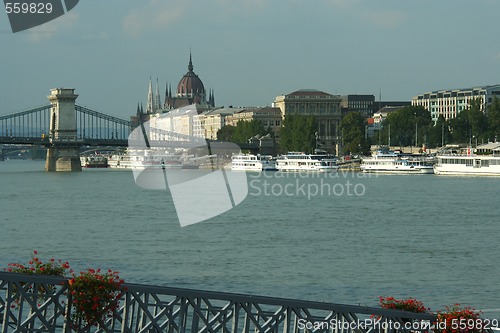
35, 303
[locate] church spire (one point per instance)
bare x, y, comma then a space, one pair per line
150, 107
190, 66
157, 96
211, 99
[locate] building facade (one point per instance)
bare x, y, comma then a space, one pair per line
325, 107
449, 103
214, 120
270, 117
364, 104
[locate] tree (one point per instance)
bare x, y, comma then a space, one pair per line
225, 133
470, 124
493, 119
409, 126
439, 134
298, 133
353, 127
243, 131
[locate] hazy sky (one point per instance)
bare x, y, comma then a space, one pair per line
250, 51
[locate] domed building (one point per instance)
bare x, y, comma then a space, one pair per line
190, 90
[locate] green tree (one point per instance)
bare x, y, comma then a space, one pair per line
298, 133
439, 134
470, 125
225, 133
353, 127
493, 119
409, 126
244, 130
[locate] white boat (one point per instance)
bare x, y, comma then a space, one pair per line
251, 162
294, 161
94, 161
142, 159
483, 160
390, 161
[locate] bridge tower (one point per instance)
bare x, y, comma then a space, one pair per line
63, 152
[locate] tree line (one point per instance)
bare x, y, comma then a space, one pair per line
413, 126
408, 126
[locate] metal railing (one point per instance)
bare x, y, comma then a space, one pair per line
37, 303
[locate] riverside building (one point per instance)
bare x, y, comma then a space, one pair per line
449, 103
325, 107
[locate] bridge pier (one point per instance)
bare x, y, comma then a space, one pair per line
63, 159
63, 152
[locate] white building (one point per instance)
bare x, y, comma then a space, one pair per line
214, 120
449, 103
176, 125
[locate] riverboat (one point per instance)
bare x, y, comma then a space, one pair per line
139, 159
96, 161
395, 162
251, 162
297, 161
484, 160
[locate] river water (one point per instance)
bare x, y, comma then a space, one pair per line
347, 238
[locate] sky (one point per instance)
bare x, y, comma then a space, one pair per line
250, 51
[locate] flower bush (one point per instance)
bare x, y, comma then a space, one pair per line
409, 304
36, 266
459, 319
95, 296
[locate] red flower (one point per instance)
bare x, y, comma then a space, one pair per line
409, 304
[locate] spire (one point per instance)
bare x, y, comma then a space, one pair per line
190, 66
138, 109
150, 107
157, 96
212, 98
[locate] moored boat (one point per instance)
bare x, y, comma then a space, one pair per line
95, 161
142, 159
251, 162
389, 161
484, 160
297, 161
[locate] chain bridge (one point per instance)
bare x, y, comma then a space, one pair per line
63, 127
93, 128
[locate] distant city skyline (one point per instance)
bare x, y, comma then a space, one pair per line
250, 51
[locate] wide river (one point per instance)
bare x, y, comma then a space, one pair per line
435, 238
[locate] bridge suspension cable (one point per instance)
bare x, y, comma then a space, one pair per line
32, 126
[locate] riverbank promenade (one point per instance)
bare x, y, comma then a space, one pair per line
40, 303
